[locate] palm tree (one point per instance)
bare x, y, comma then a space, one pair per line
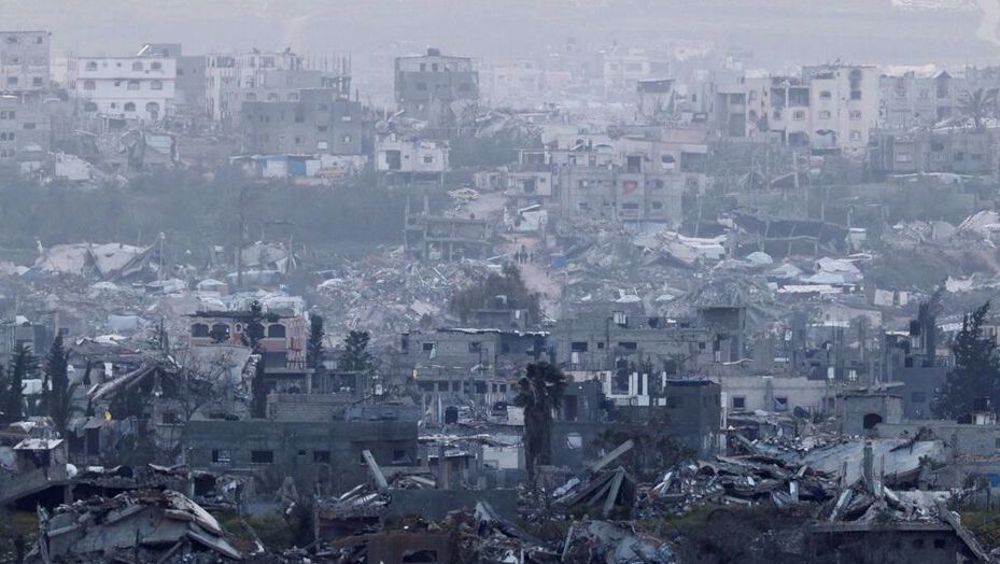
979, 104
541, 390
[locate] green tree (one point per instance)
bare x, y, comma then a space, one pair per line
22, 366
356, 357
540, 391
976, 374
57, 392
314, 348
252, 335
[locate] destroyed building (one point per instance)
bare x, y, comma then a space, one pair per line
432, 87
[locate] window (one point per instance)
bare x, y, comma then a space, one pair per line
656, 205
133, 85
221, 456
904, 158
12, 80
29, 125
428, 159
261, 456
574, 441
157, 65
276, 331
89, 107
36, 81
628, 345
156, 85
321, 456
347, 139
152, 108
856, 115
199, 330
91, 65
855, 94
475, 347
321, 128
89, 85
855, 135
578, 346
739, 402
780, 403
825, 95
137, 66
428, 347
825, 114
129, 106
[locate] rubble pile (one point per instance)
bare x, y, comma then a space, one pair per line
390, 294
142, 526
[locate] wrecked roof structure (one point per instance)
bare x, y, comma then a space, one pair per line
146, 526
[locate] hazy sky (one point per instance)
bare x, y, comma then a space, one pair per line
801, 31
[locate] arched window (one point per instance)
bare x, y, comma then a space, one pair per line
153, 109
276, 331
129, 106
220, 332
199, 330
137, 66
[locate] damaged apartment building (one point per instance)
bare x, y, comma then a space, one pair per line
825, 109
637, 179
266, 76
435, 88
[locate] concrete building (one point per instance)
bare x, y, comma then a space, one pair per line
25, 133
283, 344
235, 78
318, 455
692, 408
25, 61
958, 151
461, 363
638, 179
319, 122
427, 86
191, 82
861, 412
827, 108
615, 339
845, 101
124, 88
749, 393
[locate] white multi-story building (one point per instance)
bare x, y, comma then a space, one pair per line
828, 108
234, 78
131, 88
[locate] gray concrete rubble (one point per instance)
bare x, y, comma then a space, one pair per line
143, 526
